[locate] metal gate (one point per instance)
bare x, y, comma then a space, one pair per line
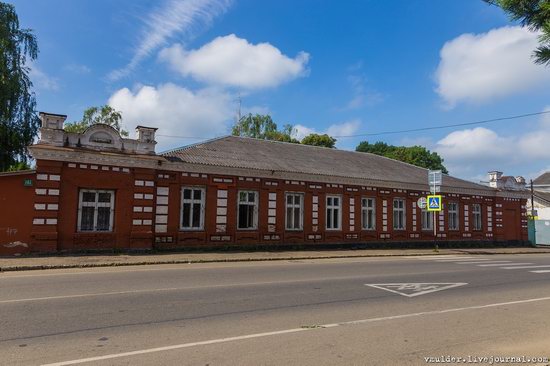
539, 232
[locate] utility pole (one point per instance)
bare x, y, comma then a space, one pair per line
532, 216
532, 199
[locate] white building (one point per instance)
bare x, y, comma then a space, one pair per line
541, 188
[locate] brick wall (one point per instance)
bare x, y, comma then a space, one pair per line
147, 211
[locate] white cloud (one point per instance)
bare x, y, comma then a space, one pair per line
475, 68
334, 130
302, 131
344, 129
474, 143
41, 80
176, 111
471, 152
174, 17
233, 61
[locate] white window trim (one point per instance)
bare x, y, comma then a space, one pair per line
95, 204
429, 214
339, 207
456, 212
301, 206
255, 204
363, 209
192, 201
474, 222
404, 209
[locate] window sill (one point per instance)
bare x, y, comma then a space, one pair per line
95, 231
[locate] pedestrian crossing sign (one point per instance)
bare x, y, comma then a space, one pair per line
434, 203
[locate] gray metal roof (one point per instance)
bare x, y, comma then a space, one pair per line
543, 197
543, 179
249, 153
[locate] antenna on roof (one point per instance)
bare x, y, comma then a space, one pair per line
238, 114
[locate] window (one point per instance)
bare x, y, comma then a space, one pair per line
427, 220
96, 210
476, 212
248, 210
399, 214
334, 213
452, 211
192, 208
368, 214
294, 211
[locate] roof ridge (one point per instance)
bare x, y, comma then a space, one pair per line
185, 147
353, 152
260, 142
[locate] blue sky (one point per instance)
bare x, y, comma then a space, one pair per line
345, 68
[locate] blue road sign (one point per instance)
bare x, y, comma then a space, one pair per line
434, 203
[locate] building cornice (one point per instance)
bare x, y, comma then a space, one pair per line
45, 152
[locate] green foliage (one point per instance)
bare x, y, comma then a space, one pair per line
19, 121
262, 127
104, 114
20, 165
534, 14
415, 155
315, 139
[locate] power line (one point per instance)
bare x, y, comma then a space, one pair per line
447, 126
407, 130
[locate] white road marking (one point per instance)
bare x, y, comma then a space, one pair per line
477, 262
450, 259
414, 289
525, 267
502, 264
472, 260
287, 331
541, 271
441, 257
464, 260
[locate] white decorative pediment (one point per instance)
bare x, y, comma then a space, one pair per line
102, 136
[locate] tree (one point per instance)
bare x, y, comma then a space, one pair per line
262, 127
319, 140
19, 121
256, 126
104, 114
534, 14
415, 155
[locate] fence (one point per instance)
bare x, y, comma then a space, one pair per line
539, 232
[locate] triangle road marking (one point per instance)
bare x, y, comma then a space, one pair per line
414, 289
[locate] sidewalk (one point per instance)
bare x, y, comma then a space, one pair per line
106, 260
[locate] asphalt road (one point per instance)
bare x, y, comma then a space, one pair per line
314, 312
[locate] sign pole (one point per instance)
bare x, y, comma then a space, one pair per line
435, 226
435, 179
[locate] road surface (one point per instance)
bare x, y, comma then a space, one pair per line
357, 311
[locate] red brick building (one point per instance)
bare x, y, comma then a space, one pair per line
98, 190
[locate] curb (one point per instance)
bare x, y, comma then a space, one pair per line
232, 260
